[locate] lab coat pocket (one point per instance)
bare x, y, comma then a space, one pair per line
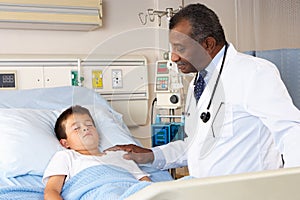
220, 129
222, 121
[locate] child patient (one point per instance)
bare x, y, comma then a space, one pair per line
76, 131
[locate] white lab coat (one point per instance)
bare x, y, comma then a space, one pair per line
253, 121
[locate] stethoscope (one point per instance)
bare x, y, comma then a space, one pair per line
205, 116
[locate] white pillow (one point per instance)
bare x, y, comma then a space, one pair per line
27, 141
110, 126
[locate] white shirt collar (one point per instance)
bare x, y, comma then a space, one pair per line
213, 64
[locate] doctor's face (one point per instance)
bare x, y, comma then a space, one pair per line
188, 54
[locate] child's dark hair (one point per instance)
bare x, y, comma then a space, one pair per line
60, 129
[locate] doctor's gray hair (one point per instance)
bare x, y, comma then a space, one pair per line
205, 23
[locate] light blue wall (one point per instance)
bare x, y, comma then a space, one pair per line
288, 63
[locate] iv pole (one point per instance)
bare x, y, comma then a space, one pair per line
151, 13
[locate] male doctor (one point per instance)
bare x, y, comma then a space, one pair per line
239, 115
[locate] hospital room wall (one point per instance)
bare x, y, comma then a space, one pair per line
249, 25
120, 18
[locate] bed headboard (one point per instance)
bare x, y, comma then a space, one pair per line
268, 185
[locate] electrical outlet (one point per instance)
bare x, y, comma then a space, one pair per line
117, 79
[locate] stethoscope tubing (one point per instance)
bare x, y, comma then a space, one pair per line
214, 89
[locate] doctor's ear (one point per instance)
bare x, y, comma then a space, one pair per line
209, 44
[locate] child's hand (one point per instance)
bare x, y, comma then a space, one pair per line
145, 178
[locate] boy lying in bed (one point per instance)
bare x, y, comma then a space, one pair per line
76, 131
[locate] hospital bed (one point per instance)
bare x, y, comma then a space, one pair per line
27, 141
268, 185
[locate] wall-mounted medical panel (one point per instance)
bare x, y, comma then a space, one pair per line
57, 76
40, 73
123, 82
75, 15
8, 80
117, 79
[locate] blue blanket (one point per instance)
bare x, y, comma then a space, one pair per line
98, 182
21, 193
102, 182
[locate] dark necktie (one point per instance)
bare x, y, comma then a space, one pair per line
199, 85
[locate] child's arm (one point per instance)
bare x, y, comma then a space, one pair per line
145, 178
53, 188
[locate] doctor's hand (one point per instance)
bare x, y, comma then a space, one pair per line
139, 154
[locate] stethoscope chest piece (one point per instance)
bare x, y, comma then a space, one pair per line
205, 116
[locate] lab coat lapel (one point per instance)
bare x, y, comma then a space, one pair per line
206, 95
207, 133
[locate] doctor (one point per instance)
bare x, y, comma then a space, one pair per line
244, 121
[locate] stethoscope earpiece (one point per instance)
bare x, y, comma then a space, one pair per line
205, 116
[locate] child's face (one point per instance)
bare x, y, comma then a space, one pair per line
81, 133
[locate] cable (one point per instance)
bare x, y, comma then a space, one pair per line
152, 109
